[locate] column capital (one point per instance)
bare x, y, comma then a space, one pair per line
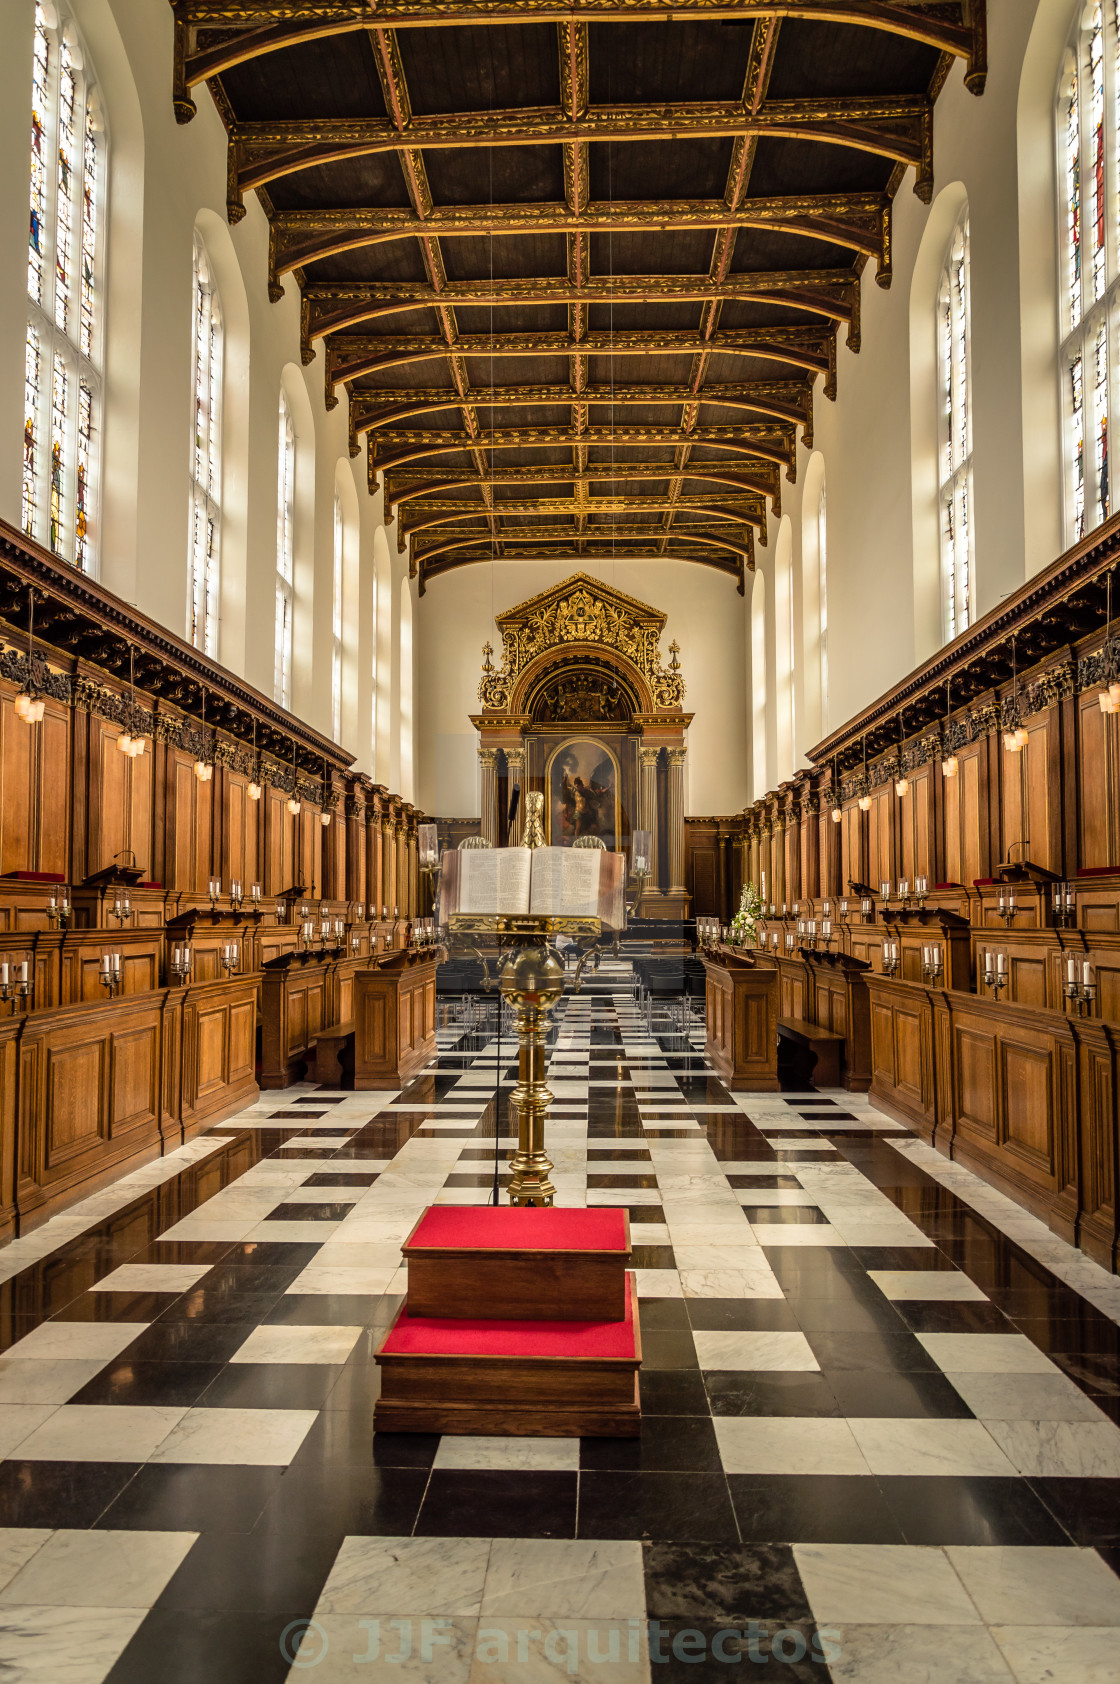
677, 756
488, 757
648, 756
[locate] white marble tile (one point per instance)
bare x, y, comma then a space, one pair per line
797, 1233
540, 1454
883, 1584
658, 1283
322, 1195
1025, 1397
914, 1654
338, 1280
541, 1650
89, 1432
1060, 1449
255, 1437
1059, 1654
17, 1546
331, 1643
750, 1279
565, 1579
294, 1233
281, 1342
100, 1569
906, 1284
152, 1277
1028, 1585
772, 1444
46, 1379
923, 1446
401, 1578
748, 1351
205, 1228
75, 1340
986, 1353
64, 1645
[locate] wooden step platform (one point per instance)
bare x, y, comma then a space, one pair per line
554, 1379
518, 1264
518, 1322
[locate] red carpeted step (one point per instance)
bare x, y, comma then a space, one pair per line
480, 1263
534, 1377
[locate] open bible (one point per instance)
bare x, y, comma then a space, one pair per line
537, 882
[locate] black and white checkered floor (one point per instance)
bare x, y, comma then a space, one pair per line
880, 1402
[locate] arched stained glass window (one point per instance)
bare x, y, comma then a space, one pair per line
285, 555
1088, 121
65, 263
204, 562
954, 395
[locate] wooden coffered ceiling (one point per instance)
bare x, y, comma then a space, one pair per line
577, 264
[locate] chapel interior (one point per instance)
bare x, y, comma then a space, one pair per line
559, 841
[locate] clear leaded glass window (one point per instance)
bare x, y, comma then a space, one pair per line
954, 394
205, 461
1088, 122
285, 555
65, 261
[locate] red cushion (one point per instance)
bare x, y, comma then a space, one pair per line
510, 1228
436, 1336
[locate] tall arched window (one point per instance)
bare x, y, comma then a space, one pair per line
204, 564
760, 700
1088, 128
783, 652
954, 444
285, 554
336, 622
65, 267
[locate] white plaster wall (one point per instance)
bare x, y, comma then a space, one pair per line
166, 180
705, 613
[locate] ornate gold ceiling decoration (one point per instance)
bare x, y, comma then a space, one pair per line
580, 610
579, 262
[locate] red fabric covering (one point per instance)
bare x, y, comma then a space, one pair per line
435, 1336
35, 876
509, 1228
1097, 871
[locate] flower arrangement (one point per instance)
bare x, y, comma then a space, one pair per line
743, 932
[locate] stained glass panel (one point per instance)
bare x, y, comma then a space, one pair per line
31, 404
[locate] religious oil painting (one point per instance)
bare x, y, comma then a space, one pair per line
583, 794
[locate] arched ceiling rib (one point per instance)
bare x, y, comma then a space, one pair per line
577, 264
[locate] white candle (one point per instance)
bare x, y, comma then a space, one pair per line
105, 967
1084, 973
1071, 970
4, 972
23, 971
1001, 964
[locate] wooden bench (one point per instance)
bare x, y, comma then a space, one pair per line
330, 1055
825, 1043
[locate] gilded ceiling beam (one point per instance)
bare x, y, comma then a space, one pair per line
251, 28
760, 479
767, 444
745, 511
565, 534
900, 128
859, 222
588, 546
352, 356
783, 401
331, 307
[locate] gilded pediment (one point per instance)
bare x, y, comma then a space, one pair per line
581, 610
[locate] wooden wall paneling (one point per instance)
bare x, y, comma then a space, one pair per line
1041, 779
218, 1051
1099, 779
394, 1019
972, 848
16, 794
10, 1030
902, 1054
1091, 1161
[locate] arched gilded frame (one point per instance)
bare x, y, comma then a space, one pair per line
553, 828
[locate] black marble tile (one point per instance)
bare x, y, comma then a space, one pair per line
185, 1251
847, 1311
785, 1183
685, 1649
343, 1498
182, 1646
228, 1571
883, 1350
170, 1497
328, 1211
126, 1381
647, 1505
293, 1256
404, 1450
813, 1509
668, 1350
189, 1341
667, 1444
944, 1509
864, 1393
933, 1316
116, 1307
741, 1315
756, 1393
341, 1178
652, 1257
464, 1503
672, 1391
271, 1385
54, 1494
664, 1315
201, 1307
726, 1582
327, 1309
1088, 1509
